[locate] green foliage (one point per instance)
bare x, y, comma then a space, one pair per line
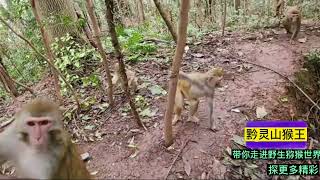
72, 59
132, 42
313, 63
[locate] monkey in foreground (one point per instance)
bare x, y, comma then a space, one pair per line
192, 86
279, 5
39, 147
132, 79
292, 21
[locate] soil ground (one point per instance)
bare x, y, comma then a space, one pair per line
246, 88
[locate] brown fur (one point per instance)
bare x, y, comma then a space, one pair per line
192, 86
59, 160
292, 21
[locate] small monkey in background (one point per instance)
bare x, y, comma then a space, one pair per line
39, 147
132, 79
279, 6
192, 86
292, 21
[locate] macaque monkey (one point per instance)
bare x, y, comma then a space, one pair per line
39, 147
192, 86
279, 5
292, 21
132, 78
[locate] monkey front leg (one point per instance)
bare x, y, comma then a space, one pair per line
194, 103
178, 106
211, 116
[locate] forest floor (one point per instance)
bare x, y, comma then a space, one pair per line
246, 88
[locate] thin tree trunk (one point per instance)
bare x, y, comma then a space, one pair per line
141, 11
100, 49
166, 20
7, 81
237, 6
224, 16
48, 49
119, 56
181, 43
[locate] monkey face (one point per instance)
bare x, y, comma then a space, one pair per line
39, 124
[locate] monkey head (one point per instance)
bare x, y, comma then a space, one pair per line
40, 124
215, 75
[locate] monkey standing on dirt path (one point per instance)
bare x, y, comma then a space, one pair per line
292, 21
39, 147
192, 86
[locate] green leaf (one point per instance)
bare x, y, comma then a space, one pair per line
157, 90
148, 113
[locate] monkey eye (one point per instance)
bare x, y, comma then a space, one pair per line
44, 122
30, 123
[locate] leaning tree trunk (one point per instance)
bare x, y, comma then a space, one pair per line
181, 43
166, 19
119, 56
7, 81
100, 49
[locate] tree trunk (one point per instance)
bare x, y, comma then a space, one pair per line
60, 18
50, 55
224, 16
100, 49
166, 20
119, 56
181, 43
237, 6
7, 81
141, 11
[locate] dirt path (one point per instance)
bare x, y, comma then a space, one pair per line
202, 155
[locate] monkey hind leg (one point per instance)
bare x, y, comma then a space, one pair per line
194, 103
211, 116
178, 106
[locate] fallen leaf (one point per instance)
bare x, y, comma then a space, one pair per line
187, 166
157, 90
186, 49
170, 148
135, 130
284, 99
239, 140
94, 173
198, 55
261, 112
204, 175
85, 156
235, 110
148, 113
240, 53
136, 152
302, 40
89, 127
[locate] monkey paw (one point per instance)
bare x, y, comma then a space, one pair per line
193, 119
175, 120
214, 128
